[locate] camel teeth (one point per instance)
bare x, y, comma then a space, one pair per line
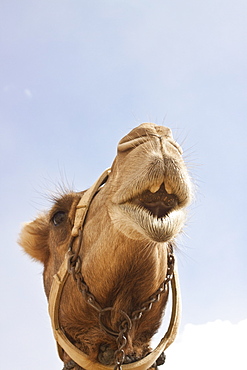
154, 188
168, 188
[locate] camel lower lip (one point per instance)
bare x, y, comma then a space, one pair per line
157, 229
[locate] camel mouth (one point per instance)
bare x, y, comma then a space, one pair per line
159, 196
155, 212
159, 204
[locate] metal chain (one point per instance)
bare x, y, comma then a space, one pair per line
122, 340
74, 268
155, 297
71, 365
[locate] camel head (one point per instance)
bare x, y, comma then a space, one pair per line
129, 230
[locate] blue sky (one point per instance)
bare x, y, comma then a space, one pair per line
75, 77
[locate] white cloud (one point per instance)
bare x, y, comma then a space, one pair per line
214, 345
28, 93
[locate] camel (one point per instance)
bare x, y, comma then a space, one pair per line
108, 254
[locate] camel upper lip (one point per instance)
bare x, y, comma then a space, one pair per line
159, 203
159, 196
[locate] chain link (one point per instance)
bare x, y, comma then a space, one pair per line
74, 268
155, 297
122, 340
72, 365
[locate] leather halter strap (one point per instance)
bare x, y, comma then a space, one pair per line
59, 280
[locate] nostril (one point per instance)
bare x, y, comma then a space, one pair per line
176, 146
123, 146
164, 131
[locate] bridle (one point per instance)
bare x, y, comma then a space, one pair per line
71, 265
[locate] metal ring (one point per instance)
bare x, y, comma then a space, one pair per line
105, 328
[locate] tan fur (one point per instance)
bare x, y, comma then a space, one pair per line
124, 247
33, 232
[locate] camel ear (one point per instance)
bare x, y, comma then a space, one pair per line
34, 239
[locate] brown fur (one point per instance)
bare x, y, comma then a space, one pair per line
123, 252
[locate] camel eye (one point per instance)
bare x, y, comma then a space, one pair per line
58, 218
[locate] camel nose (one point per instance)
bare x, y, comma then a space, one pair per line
143, 133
